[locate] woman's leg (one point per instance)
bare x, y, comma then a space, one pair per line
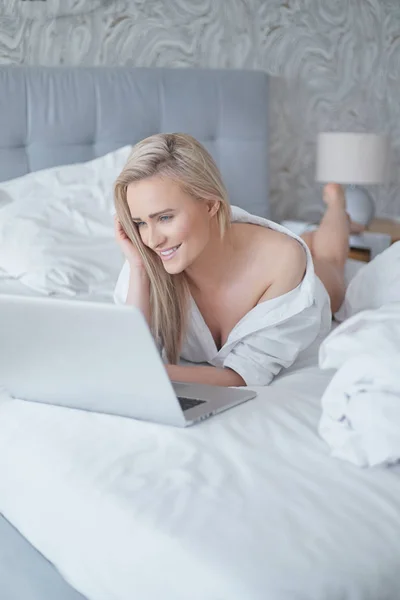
329, 244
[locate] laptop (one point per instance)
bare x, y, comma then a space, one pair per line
97, 357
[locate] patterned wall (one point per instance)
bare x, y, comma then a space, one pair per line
336, 65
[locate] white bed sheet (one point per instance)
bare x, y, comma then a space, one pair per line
245, 506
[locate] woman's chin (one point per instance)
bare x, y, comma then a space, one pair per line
173, 269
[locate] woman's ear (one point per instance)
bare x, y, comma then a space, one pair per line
213, 205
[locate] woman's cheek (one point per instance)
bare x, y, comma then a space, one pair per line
184, 230
142, 236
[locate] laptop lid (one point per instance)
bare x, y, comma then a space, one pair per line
87, 355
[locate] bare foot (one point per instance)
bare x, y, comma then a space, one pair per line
334, 197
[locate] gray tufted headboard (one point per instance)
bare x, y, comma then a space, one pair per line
51, 116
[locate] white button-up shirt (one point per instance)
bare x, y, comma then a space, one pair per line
271, 335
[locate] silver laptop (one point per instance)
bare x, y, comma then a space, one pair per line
97, 357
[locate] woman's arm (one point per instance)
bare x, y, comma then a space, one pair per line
204, 374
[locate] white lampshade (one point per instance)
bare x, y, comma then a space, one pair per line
352, 158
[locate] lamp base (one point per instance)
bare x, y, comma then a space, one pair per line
359, 205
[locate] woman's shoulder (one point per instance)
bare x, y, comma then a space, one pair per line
288, 264
276, 243
279, 260
266, 232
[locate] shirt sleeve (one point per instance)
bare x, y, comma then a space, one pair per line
122, 285
259, 357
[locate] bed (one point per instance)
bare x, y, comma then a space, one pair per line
248, 505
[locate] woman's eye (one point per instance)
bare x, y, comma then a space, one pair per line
165, 218
139, 223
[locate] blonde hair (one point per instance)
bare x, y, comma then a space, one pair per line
182, 158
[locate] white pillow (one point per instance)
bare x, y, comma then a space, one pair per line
377, 283
56, 231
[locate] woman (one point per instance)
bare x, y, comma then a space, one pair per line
216, 284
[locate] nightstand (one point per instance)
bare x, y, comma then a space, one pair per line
380, 234
389, 226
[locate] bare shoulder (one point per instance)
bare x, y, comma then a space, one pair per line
288, 267
284, 247
276, 262
283, 262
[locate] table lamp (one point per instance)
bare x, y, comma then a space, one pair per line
353, 159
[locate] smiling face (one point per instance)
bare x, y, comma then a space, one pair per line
170, 221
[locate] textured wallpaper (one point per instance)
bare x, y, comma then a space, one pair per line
336, 65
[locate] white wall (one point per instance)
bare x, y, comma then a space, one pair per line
337, 62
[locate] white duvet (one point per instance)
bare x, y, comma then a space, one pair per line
361, 406
56, 228
245, 506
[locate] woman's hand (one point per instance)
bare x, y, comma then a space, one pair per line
129, 250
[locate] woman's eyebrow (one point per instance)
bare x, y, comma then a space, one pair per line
153, 215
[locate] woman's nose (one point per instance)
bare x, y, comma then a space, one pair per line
155, 238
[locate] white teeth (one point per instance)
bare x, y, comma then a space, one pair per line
168, 252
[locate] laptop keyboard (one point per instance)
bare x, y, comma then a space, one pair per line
187, 403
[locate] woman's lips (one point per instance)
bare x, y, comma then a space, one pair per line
170, 253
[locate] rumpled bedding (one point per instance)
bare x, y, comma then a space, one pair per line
245, 506
361, 406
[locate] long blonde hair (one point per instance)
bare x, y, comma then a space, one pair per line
184, 159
